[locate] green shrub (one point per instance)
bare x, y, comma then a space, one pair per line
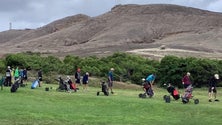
128, 67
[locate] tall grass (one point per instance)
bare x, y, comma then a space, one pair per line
39, 107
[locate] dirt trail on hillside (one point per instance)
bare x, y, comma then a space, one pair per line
158, 53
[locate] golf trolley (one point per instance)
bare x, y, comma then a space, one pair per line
148, 90
104, 89
175, 94
187, 96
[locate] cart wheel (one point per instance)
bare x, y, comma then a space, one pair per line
140, 95
184, 100
144, 95
196, 101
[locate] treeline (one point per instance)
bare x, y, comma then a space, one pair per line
128, 67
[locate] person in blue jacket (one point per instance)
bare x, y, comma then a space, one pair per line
110, 80
151, 78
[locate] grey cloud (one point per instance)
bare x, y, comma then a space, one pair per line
12, 5
215, 6
36, 13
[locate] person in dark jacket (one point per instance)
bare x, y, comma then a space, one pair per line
212, 87
8, 80
85, 81
78, 76
40, 77
25, 74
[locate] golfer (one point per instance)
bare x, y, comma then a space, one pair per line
212, 87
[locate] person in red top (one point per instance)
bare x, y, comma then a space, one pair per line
186, 80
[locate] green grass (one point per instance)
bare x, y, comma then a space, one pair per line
39, 107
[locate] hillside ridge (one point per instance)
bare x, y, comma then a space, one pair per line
125, 28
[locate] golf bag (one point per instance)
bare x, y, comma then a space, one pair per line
188, 95
173, 92
62, 85
35, 84
73, 87
15, 86
104, 89
148, 90
149, 93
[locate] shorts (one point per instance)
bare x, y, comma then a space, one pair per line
77, 81
84, 82
110, 83
40, 78
214, 90
25, 78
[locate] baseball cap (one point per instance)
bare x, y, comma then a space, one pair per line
216, 76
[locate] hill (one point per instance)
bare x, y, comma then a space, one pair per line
152, 30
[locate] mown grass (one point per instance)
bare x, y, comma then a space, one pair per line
39, 107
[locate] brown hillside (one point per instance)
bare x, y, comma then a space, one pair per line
141, 29
11, 34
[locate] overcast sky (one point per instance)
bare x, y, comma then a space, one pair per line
32, 14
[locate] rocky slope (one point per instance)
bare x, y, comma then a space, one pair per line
141, 29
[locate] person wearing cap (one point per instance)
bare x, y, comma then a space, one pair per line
8, 80
212, 87
110, 80
186, 80
85, 81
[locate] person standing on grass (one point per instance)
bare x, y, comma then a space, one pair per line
21, 75
12, 75
8, 80
25, 74
78, 76
85, 81
186, 80
212, 87
40, 76
16, 74
110, 80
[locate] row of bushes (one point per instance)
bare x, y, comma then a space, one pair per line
127, 67
173, 68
